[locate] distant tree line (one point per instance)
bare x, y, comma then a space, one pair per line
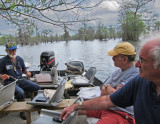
100, 32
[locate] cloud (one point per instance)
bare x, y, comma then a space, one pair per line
106, 12
110, 5
157, 6
7, 28
107, 9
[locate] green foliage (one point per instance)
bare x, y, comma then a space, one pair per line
5, 38
1, 5
43, 1
132, 26
12, 5
25, 37
66, 35
134, 18
22, 1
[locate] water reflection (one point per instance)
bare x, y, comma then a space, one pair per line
92, 53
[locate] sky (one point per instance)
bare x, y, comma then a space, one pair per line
107, 12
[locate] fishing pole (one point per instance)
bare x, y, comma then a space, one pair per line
16, 78
2, 55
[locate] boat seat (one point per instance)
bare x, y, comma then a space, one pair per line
85, 80
48, 79
54, 74
74, 68
7, 94
43, 78
55, 100
46, 116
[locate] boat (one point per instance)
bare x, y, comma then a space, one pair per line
49, 77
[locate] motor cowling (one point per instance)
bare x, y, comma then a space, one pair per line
47, 60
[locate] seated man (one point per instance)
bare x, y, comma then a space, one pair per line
142, 91
12, 66
123, 57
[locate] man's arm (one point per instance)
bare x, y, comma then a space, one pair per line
100, 103
4, 76
24, 69
27, 73
107, 90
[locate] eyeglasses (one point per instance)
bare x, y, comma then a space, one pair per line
142, 60
11, 44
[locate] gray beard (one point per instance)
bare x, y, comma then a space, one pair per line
11, 56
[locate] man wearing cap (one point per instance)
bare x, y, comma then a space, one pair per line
123, 57
142, 91
12, 67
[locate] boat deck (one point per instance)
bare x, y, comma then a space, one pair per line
13, 118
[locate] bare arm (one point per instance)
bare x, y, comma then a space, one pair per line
103, 90
27, 73
4, 76
107, 90
100, 103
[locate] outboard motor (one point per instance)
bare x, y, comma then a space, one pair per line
47, 60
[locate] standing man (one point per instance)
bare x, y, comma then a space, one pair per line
123, 56
143, 91
13, 66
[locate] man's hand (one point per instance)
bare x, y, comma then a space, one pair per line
4, 77
68, 110
107, 90
110, 89
28, 73
121, 85
99, 103
103, 90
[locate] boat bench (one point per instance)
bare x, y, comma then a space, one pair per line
28, 108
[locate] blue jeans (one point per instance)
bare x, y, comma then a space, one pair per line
22, 86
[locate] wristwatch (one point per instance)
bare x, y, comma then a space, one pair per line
80, 104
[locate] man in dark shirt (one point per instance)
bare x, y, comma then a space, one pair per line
143, 91
12, 67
